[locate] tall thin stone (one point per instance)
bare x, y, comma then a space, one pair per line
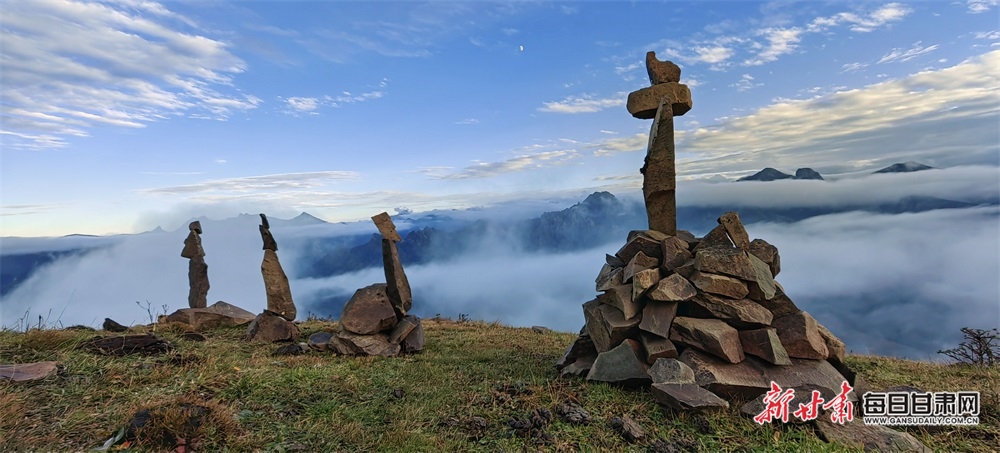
398, 286
279, 294
197, 269
659, 177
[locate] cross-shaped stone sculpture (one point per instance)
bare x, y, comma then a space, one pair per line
662, 101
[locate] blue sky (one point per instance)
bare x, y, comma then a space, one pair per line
121, 116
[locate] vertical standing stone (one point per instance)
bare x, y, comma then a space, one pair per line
398, 286
279, 294
197, 269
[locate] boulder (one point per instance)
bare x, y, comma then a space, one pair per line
580, 367
657, 317
582, 346
349, 343
198, 282
639, 262
836, 350
640, 243
607, 325
369, 311
684, 397
621, 365
643, 281
279, 294
414, 342
799, 334
719, 284
716, 238
764, 343
319, 340
742, 380
113, 326
728, 261
763, 283
857, 435
656, 347
742, 313
675, 253
657, 236
767, 253
709, 335
685, 270
687, 237
674, 288
272, 327
661, 71
779, 305
614, 261
403, 328
620, 297
608, 278
735, 230
671, 371
216, 315
643, 103
397, 285
385, 227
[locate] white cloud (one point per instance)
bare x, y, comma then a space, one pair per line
900, 55
780, 41
615, 145
746, 83
583, 104
853, 67
283, 181
297, 105
515, 164
68, 66
303, 105
862, 23
981, 6
467, 121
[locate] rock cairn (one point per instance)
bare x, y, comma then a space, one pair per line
197, 269
275, 323
375, 320
698, 320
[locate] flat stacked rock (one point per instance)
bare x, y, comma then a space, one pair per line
215, 315
701, 321
275, 323
375, 320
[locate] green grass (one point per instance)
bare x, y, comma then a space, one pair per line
322, 402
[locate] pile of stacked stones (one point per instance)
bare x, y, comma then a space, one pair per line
702, 318
275, 322
375, 320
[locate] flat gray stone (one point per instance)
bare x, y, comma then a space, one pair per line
621, 365
709, 335
671, 371
685, 397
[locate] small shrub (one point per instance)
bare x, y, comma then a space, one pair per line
981, 347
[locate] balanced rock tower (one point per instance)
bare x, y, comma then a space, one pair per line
197, 269
375, 320
700, 321
275, 323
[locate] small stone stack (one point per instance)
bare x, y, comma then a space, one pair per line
275, 323
375, 320
700, 319
197, 269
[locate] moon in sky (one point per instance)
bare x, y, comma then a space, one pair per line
522, 48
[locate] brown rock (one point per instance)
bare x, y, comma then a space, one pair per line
856, 434
639, 262
779, 305
613, 261
195, 226
22, 372
643, 103
621, 365
397, 286
719, 284
607, 325
319, 340
740, 313
583, 346
403, 328
685, 270
659, 177
685, 397
656, 347
657, 317
661, 71
674, 288
709, 335
580, 367
608, 278
218, 314
835, 348
728, 261
368, 311
799, 334
767, 253
279, 294
675, 253
640, 243
715, 238
349, 343
763, 284
113, 326
192, 246
198, 282
643, 281
414, 342
742, 379
671, 371
265, 235
627, 428
272, 327
620, 297
686, 236
764, 343
650, 234
386, 228
734, 229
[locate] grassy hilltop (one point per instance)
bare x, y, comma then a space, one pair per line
475, 387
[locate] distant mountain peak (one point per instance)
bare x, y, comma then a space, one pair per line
808, 173
767, 174
904, 167
306, 218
